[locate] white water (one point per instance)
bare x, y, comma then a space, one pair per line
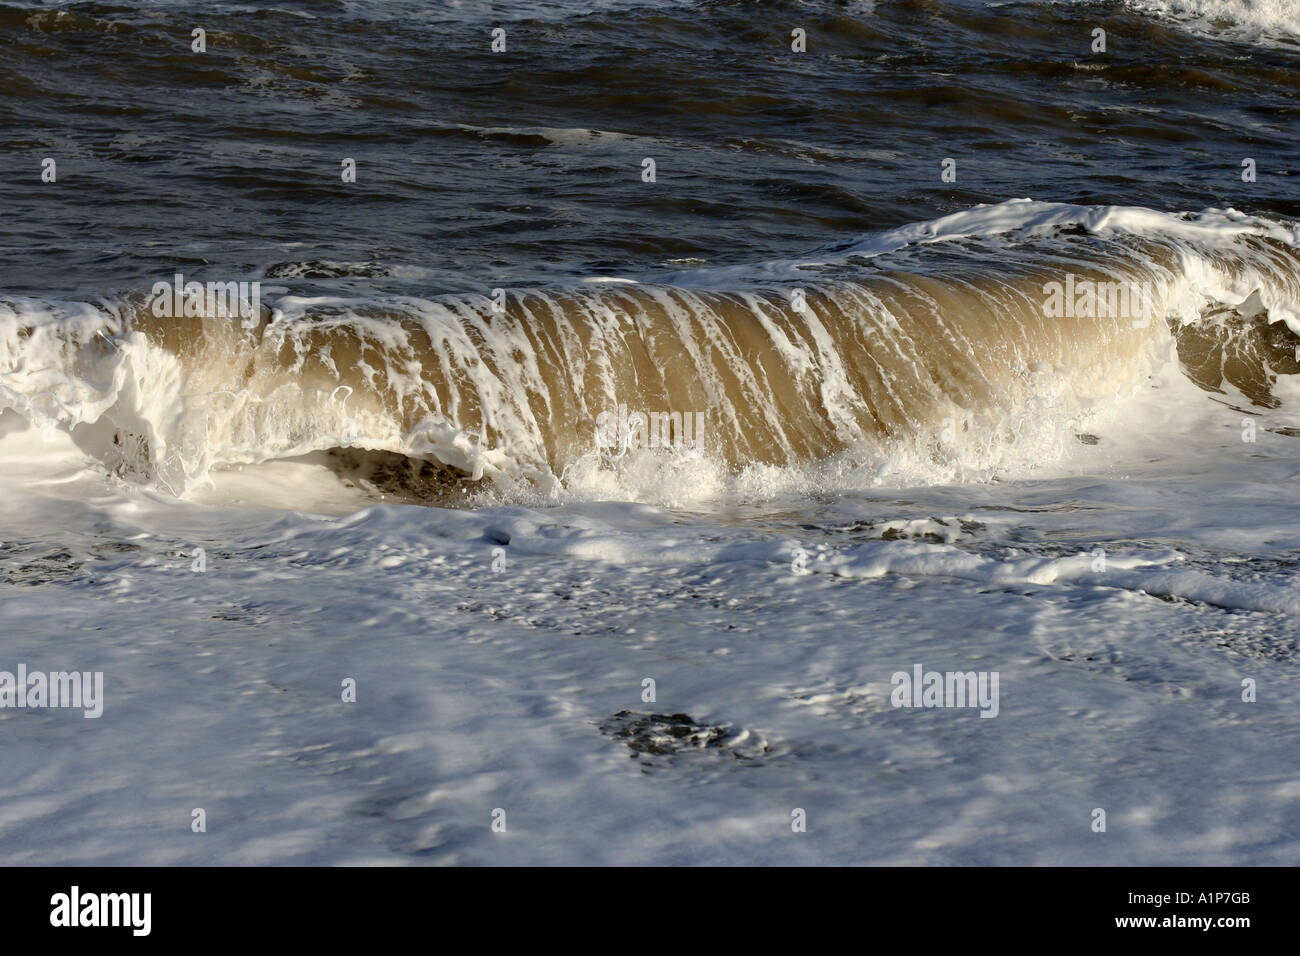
482, 689
1255, 20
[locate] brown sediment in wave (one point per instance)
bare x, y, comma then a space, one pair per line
952, 352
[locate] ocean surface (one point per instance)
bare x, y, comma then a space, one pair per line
576, 414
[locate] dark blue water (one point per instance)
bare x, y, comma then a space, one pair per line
476, 168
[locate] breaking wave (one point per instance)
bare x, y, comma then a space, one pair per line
1256, 20
975, 345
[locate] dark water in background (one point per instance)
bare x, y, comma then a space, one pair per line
477, 168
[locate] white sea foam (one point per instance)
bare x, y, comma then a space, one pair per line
1259, 20
490, 648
